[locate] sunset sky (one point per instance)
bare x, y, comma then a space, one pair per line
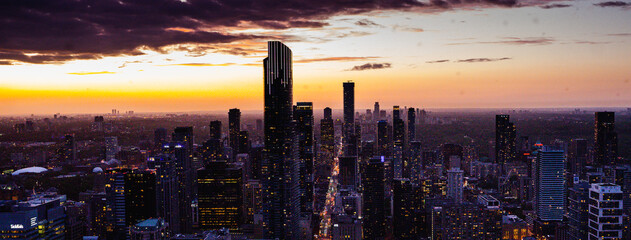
78, 56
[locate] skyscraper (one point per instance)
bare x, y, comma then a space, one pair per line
280, 153
455, 184
215, 129
140, 196
411, 125
398, 137
505, 134
166, 188
220, 196
403, 209
303, 113
184, 174
184, 134
348, 172
234, 128
383, 139
578, 210
160, 136
549, 184
374, 199
350, 140
327, 132
376, 112
69, 149
605, 211
605, 139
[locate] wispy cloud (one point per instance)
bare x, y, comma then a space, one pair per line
619, 34
556, 5
514, 41
90, 73
333, 59
613, 4
477, 60
438, 61
200, 64
367, 23
370, 66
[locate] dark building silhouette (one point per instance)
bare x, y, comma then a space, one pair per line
505, 134
303, 114
215, 129
282, 203
374, 212
184, 134
448, 152
411, 125
398, 141
69, 149
220, 196
184, 174
348, 172
605, 139
167, 204
383, 138
376, 112
140, 196
578, 210
403, 209
244, 142
349, 137
131, 197
212, 150
160, 137
576, 160
234, 128
327, 132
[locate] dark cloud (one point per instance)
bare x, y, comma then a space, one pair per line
556, 5
369, 66
477, 60
367, 23
45, 31
613, 4
438, 61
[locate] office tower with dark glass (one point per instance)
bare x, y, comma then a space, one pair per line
234, 129
411, 125
605, 139
282, 191
549, 184
303, 114
215, 129
166, 187
350, 140
374, 211
398, 137
327, 132
383, 138
505, 134
376, 112
220, 197
140, 196
184, 174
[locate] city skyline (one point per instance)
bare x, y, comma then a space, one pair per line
507, 54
